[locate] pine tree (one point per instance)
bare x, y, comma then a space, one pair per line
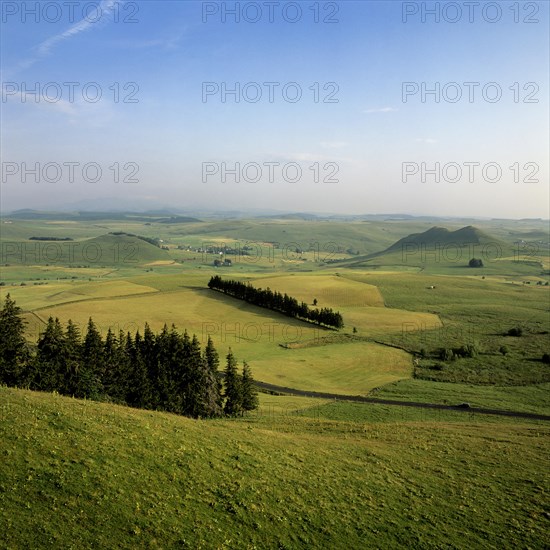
213, 362
202, 399
181, 371
175, 370
192, 381
71, 360
49, 359
13, 347
150, 360
139, 391
249, 393
232, 383
114, 368
91, 370
163, 364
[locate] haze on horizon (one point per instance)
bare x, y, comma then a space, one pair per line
345, 107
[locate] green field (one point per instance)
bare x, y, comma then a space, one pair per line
300, 471
80, 474
253, 333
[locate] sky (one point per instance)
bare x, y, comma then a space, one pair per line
424, 108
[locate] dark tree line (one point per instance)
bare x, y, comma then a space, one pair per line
167, 371
283, 303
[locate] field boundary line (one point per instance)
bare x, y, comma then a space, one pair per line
394, 402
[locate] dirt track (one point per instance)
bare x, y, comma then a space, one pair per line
360, 399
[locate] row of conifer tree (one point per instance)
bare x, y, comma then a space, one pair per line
167, 371
283, 303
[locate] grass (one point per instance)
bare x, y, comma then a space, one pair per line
79, 474
329, 290
42, 296
471, 310
253, 334
348, 368
300, 472
99, 251
532, 398
370, 413
475, 311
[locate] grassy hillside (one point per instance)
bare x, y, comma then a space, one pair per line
523, 247
441, 236
100, 251
78, 474
254, 334
281, 350
444, 251
34, 297
299, 472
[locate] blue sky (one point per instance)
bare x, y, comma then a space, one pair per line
161, 54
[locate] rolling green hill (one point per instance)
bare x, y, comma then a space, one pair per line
105, 250
78, 474
440, 250
441, 236
301, 472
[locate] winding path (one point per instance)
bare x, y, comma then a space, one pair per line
360, 399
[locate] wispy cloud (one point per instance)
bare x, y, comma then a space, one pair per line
166, 43
27, 98
426, 140
104, 10
381, 110
78, 112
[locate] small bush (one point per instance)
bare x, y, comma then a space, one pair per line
469, 350
447, 354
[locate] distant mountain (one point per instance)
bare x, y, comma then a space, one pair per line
161, 216
297, 216
441, 236
418, 246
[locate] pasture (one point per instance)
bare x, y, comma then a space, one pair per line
393, 304
82, 474
327, 473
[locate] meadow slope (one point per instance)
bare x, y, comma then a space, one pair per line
77, 474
